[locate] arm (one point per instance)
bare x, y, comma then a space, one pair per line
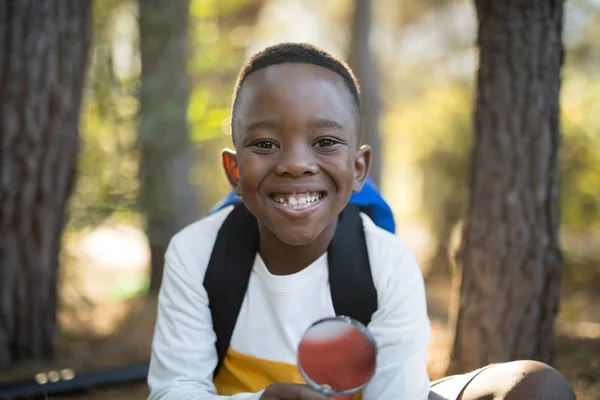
183, 348
402, 331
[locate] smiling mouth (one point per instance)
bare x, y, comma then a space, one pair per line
297, 201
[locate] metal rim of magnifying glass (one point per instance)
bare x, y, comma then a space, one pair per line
368, 335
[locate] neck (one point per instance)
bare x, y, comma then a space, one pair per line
285, 259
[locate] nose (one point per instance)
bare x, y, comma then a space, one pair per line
296, 161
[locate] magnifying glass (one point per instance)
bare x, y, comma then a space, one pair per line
337, 356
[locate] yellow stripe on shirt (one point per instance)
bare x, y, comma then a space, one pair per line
242, 373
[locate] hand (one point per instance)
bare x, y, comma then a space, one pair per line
291, 391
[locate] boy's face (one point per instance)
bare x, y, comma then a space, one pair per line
297, 157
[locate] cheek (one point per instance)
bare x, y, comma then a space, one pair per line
343, 171
252, 172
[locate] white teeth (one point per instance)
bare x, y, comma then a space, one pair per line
298, 201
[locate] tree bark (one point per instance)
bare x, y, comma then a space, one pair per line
167, 198
364, 66
43, 54
510, 261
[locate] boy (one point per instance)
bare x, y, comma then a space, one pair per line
296, 131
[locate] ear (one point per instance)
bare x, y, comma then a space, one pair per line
232, 169
362, 166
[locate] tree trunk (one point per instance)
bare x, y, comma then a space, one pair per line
510, 260
363, 64
43, 54
167, 198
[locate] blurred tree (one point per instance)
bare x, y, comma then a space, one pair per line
445, 119
220, 33
44, 55
510, 260
107, 181
167, 198
363, 63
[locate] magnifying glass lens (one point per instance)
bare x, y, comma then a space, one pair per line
337, 356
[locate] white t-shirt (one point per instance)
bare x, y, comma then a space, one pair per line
275, 313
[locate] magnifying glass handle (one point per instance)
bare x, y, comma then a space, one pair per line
340, 397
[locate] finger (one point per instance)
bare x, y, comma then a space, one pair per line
291, 391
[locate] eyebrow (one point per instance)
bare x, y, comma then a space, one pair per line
262, 124
325, 123
314, 123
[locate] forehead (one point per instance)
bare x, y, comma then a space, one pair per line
294, 92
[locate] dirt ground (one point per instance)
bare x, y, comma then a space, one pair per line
578, 345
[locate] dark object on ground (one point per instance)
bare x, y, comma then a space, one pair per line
33, 389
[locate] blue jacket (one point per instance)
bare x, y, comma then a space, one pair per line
369, 196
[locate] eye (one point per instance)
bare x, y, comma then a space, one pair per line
326, 142
265, 144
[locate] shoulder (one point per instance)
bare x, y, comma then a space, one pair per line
385, 247
205, 228
191, 247
392, 261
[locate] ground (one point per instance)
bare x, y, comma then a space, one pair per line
578, 345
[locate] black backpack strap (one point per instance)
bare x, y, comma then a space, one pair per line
226, 280
228, 272
350, 280
367, 210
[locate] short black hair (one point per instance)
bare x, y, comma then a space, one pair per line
296, 53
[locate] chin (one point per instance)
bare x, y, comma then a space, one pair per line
297, 238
